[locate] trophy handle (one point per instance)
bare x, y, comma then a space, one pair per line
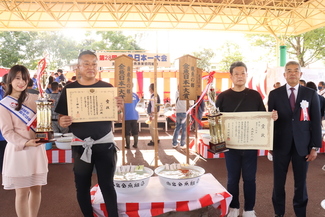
42, 77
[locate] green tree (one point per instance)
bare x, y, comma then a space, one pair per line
58, 49
115, 40
27, 48
307, 48
230, 53
204, 58
14, 47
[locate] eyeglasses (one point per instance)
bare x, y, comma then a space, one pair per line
88, 65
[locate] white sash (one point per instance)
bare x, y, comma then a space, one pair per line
89, 142
25, 114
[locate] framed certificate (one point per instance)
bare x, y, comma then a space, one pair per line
248, 130
92, 104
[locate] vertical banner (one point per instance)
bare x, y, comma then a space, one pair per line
199, 82
123, 77
140, 83
187, 77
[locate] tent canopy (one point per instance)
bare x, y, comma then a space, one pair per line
281, 17
3, 71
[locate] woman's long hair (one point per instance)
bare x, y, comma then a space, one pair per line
11, 76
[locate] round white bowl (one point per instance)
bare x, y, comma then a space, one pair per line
133, 186
63, 142
180, 184
56, 135
67, 135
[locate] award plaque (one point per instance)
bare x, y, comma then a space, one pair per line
44, 130
217, 142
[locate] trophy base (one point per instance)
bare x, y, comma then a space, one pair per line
45, 137
217, 148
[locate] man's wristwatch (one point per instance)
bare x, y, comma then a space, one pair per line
315, 148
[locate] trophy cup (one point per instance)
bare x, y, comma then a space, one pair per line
44, 130
217, 143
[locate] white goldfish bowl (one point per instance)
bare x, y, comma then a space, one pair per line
63, 143
56, 135
133, 186
182, 183
67, 134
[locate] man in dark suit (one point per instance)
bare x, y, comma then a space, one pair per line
297, 137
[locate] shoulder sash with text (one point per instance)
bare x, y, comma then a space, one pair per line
25, 114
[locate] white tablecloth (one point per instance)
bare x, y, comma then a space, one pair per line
155, 199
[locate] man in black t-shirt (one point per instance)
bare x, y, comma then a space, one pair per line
241, 162
93, 143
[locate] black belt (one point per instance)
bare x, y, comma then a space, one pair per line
54, 119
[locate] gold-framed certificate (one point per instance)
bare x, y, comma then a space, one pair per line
92, 104
248, 130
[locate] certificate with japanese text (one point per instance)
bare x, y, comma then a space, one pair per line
248, 130
92, 104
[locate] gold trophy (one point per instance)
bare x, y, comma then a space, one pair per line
44, 130
217, 143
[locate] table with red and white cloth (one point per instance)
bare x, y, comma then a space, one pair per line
203, 146
155, 199
59, 156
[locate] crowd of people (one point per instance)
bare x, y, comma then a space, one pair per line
24, 163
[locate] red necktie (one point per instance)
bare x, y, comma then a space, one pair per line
292, 99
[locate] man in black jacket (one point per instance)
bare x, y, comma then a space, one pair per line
297, 137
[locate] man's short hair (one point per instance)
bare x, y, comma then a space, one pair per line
4, 78
303, 81
237, 64
322, 83
54, 86
86, 52
30, 83
277, 84
51, 79
60, 70
292, 63
152, 86
311, 85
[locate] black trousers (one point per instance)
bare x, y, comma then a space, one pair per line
131, 128
104, 159
281, 163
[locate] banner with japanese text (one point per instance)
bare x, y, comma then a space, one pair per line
187, 78
123, 77
141, 59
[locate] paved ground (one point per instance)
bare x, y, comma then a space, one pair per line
58, 197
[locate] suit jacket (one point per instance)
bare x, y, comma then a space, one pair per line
322, 105
305, 134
